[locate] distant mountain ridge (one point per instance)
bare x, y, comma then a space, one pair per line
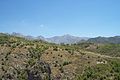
69, 39
115, 40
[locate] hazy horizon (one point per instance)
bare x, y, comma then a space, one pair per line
88, 18
58, 35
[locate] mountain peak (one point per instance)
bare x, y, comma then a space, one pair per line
17, 34
67, 39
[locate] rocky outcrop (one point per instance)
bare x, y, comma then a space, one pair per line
40, 71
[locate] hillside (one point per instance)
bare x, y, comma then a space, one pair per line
115, 40
23, 59
109, 49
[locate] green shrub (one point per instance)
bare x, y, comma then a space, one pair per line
66, 63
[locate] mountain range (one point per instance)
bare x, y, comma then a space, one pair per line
115, 40
69, 39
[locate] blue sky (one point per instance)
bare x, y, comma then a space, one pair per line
88, 18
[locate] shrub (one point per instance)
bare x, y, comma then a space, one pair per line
61, 70
66, 63
55, 49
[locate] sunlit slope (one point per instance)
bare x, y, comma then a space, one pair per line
23, 59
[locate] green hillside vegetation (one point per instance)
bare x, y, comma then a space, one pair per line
104, 49
109, 49
115, 40
23, 59
109, 71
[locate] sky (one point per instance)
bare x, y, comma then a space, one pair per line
84, 18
